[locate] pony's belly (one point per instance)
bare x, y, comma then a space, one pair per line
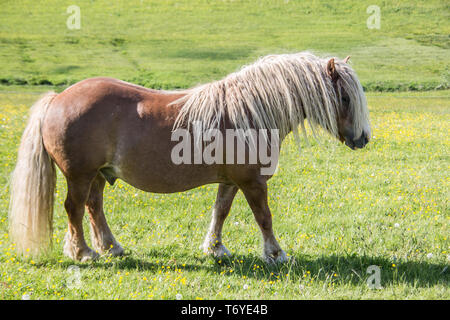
168, 179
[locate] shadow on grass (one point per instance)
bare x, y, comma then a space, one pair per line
342, 270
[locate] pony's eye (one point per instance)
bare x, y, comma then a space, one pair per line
346, 103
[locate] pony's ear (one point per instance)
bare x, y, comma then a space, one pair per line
331, 69
346, 59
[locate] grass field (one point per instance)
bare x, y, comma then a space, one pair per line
336, 211
181, 43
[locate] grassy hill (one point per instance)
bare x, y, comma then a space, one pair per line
173, 44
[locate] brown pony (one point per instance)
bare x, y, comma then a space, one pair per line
102, 129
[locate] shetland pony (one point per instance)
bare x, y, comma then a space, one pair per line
102, 129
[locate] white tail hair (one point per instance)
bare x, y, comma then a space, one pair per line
32, 187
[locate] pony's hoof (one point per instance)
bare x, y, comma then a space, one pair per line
77, 252
276, 258
82, 255
217, 251
89, 256
221, 251
116, 250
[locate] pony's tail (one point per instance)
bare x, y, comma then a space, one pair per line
32, 187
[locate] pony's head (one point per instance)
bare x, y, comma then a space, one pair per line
353, 126
281, 92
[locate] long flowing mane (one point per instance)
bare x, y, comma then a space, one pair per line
276, 92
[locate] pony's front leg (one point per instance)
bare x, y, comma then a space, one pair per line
256, 195
213, 241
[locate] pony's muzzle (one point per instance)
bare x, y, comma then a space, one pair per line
358, 143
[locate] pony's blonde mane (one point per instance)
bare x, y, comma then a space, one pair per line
277, 92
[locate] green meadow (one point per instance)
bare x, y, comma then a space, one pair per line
176, 44
336, 212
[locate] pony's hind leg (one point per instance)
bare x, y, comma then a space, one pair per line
213, 241
256, 195
101, 236
75, 245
